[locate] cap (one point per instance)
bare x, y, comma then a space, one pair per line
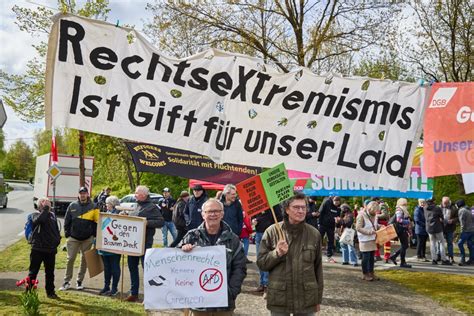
166, 190
184, 194
460, 203
198, 187
83, 190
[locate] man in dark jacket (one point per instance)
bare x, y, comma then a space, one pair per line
192, 212
166, 207
233, 213
294, 262
178, 217
45, 240
434, 228
147, 209
213, 231
100, 199
420, 230
312, 216
328, 218
262, 221
80, 226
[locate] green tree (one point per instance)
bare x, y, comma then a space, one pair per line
42, 142
442, 47
19, 162
313, 34
383, 67
2, 146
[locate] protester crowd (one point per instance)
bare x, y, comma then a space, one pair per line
289, 253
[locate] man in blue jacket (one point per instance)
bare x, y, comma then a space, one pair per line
233, 213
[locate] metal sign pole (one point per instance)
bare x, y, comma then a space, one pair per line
54, 196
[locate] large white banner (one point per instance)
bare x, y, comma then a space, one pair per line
230, 107
177, 279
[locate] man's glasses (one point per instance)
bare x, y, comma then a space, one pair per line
213, 212
299, 207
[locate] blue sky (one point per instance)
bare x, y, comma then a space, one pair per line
16, 49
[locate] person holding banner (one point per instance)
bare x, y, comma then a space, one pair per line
147, 209
111, 260
294, 262
214, 231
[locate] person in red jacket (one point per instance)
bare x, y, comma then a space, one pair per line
245, 234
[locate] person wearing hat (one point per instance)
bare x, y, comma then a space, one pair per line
80, 229
166, 206
178, 217
467, 232
192, 212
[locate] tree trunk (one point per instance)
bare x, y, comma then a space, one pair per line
131, 182
462, 191
82, 173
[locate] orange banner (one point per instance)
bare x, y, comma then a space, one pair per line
252, 196
449, 130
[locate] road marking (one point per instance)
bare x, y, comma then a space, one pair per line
21, 233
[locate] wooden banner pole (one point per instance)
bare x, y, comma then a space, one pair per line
280, 232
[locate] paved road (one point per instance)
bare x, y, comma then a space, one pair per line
12, 221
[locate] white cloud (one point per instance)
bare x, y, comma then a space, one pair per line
16, 129
16, 47
16, 50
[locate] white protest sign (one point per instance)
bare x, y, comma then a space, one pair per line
231, 107
177, 279
121, 234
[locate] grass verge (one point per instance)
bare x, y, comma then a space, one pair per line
71, 303
17, 257
452, 290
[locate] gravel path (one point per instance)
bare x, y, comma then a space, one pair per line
344, 294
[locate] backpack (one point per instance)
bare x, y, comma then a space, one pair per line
29, 228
